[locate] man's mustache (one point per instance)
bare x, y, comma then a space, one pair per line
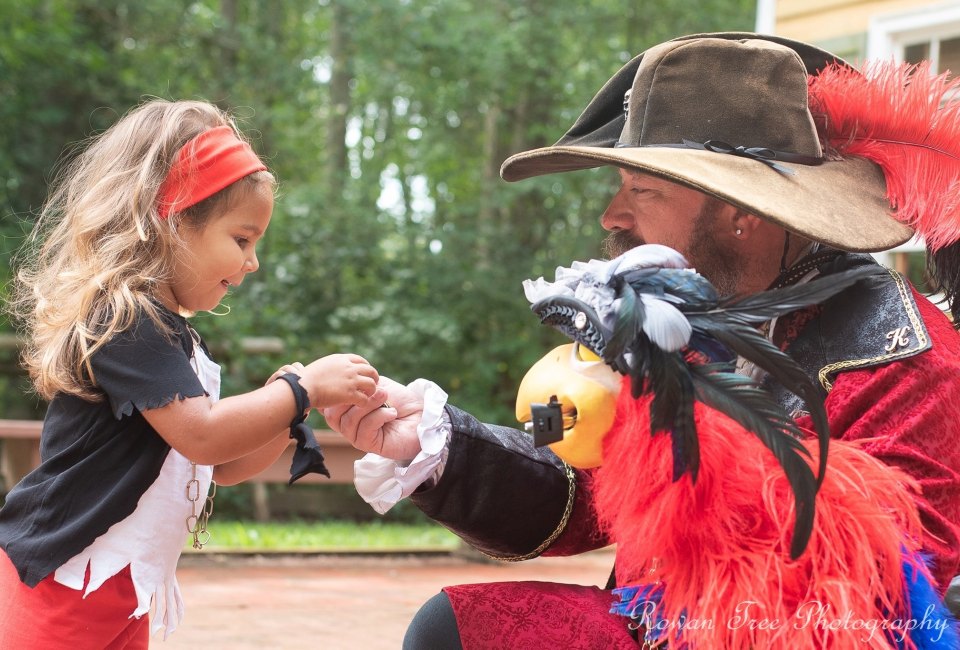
619, 242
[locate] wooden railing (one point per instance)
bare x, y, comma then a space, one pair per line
20, 453
20, 440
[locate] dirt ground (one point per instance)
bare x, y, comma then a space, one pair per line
335, 602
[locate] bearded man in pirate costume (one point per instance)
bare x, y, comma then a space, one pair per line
771, 166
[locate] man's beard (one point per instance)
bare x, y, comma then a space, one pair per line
719, 265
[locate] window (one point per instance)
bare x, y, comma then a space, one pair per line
943, 52
930, 32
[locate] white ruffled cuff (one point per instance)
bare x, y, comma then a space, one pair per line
382, 482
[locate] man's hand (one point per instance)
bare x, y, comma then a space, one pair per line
385, 424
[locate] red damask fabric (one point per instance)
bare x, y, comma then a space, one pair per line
537, 615
908, 414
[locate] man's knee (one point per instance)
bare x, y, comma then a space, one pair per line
434, 627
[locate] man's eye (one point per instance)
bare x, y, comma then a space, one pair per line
242, 241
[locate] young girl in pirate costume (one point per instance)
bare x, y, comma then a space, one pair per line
156, 219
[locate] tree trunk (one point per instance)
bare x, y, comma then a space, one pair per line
340, 74
489, 180
228, 40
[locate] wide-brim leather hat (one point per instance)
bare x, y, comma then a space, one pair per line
727, 114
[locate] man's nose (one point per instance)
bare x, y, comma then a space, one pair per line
617, 216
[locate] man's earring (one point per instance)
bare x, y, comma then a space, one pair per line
739, 231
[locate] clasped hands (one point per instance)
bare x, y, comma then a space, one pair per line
374, 413
385, 423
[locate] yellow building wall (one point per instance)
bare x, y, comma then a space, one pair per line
821, 20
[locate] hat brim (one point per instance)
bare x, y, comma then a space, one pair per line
841, 203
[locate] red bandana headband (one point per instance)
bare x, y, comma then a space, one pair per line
205, 165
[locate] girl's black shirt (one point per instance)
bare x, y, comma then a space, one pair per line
98, 458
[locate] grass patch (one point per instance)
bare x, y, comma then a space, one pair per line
326, 535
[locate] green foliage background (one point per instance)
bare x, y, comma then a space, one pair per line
386, 123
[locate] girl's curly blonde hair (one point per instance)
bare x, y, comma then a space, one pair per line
99, 252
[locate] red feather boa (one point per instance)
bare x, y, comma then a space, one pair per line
721, 546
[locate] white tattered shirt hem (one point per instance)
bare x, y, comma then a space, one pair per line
151, 539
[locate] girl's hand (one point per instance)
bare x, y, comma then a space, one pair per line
339, 379
296, 368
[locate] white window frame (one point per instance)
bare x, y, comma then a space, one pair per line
766, 21
888, 34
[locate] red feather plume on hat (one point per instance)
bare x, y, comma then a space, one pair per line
904, 118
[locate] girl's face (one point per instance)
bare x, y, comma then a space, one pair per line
218, 255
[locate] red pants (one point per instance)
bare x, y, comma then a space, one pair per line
54, 617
